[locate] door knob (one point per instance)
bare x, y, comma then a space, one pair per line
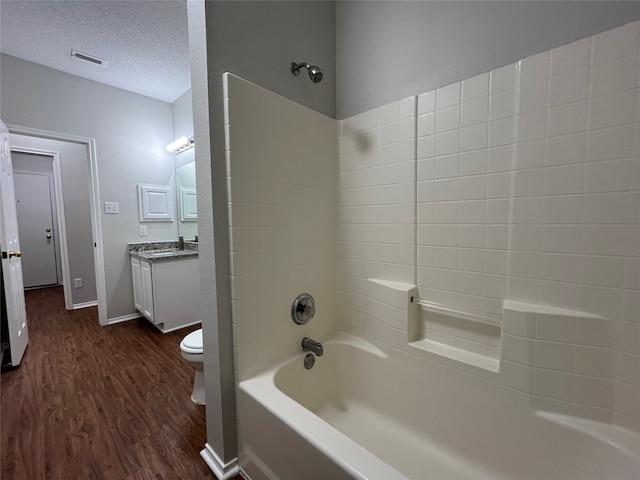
17, 253
47, 230
49, 235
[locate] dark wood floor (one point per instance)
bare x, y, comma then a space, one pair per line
91, 402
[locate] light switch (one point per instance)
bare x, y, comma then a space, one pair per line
111, 207
143, 230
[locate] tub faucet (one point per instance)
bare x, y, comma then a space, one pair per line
309, 345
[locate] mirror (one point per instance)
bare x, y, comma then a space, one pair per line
185, 168
186, 193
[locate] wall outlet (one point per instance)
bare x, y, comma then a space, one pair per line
111, 207
77, 282
143, 230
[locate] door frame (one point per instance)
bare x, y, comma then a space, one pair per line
55, 215
94, 194
60, 217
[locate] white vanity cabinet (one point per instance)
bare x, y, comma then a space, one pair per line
166, 292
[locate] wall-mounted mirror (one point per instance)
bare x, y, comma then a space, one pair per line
185, 169
186, 193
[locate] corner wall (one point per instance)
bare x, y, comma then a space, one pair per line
258, 41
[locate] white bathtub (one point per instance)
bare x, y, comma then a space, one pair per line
359, 413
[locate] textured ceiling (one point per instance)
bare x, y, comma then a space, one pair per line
144, 42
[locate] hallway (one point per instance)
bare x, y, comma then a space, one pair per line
92, 402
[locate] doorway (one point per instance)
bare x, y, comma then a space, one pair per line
37, 219
76, 222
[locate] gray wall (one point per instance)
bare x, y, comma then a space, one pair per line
75, 191
131, 132
390, 50
216, 309
182, 114
256, 41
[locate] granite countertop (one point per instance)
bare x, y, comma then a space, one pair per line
162, 251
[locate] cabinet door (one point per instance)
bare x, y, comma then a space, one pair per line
147, 289
136, 275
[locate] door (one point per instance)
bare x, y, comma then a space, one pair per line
147, 290
138, 300
35, 229
11, 255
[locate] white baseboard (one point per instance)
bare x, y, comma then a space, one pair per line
77, 306
124, 318
221, 470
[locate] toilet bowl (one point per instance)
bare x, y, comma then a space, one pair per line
191, 348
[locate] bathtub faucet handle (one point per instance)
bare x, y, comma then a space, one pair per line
303, 309
310, 345
309, 310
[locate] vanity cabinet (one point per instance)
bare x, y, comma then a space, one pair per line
166, 292
138, 298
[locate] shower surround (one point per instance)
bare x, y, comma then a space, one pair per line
510, 201
527, 190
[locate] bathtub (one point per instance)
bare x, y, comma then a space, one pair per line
360, 413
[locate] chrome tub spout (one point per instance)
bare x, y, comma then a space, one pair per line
309, 345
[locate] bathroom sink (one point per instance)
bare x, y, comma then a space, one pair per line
164, 254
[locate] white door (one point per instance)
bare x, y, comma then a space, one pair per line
147, 290
35, 229
136, 273
11, 264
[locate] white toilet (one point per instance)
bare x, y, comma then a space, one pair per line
191, 348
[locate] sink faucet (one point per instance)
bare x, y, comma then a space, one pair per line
309, 345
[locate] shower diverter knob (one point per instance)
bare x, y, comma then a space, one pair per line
303, 309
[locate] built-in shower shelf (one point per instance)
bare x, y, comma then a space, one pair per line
465, 336
468, 315
464, 356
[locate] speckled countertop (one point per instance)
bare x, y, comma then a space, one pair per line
162, 251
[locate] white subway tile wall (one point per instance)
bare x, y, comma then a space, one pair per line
527, 188
282, 215
377, 207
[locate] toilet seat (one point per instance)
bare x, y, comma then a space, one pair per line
192, 343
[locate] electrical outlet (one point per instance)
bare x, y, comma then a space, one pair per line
111, 207
77, 282
143, 230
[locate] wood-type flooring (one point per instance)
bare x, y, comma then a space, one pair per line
92, 402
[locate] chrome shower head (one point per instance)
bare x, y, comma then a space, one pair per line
315, 74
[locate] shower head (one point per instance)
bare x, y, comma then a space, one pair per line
315, 74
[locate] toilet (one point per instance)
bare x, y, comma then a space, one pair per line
191, 348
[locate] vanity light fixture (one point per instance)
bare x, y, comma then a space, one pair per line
180, 145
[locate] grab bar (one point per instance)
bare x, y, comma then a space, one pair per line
480, 317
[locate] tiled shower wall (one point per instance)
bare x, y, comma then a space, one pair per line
522, 184
377, 230
526, 182
282, 188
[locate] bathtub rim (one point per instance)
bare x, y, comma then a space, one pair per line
263, 388
363, 464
